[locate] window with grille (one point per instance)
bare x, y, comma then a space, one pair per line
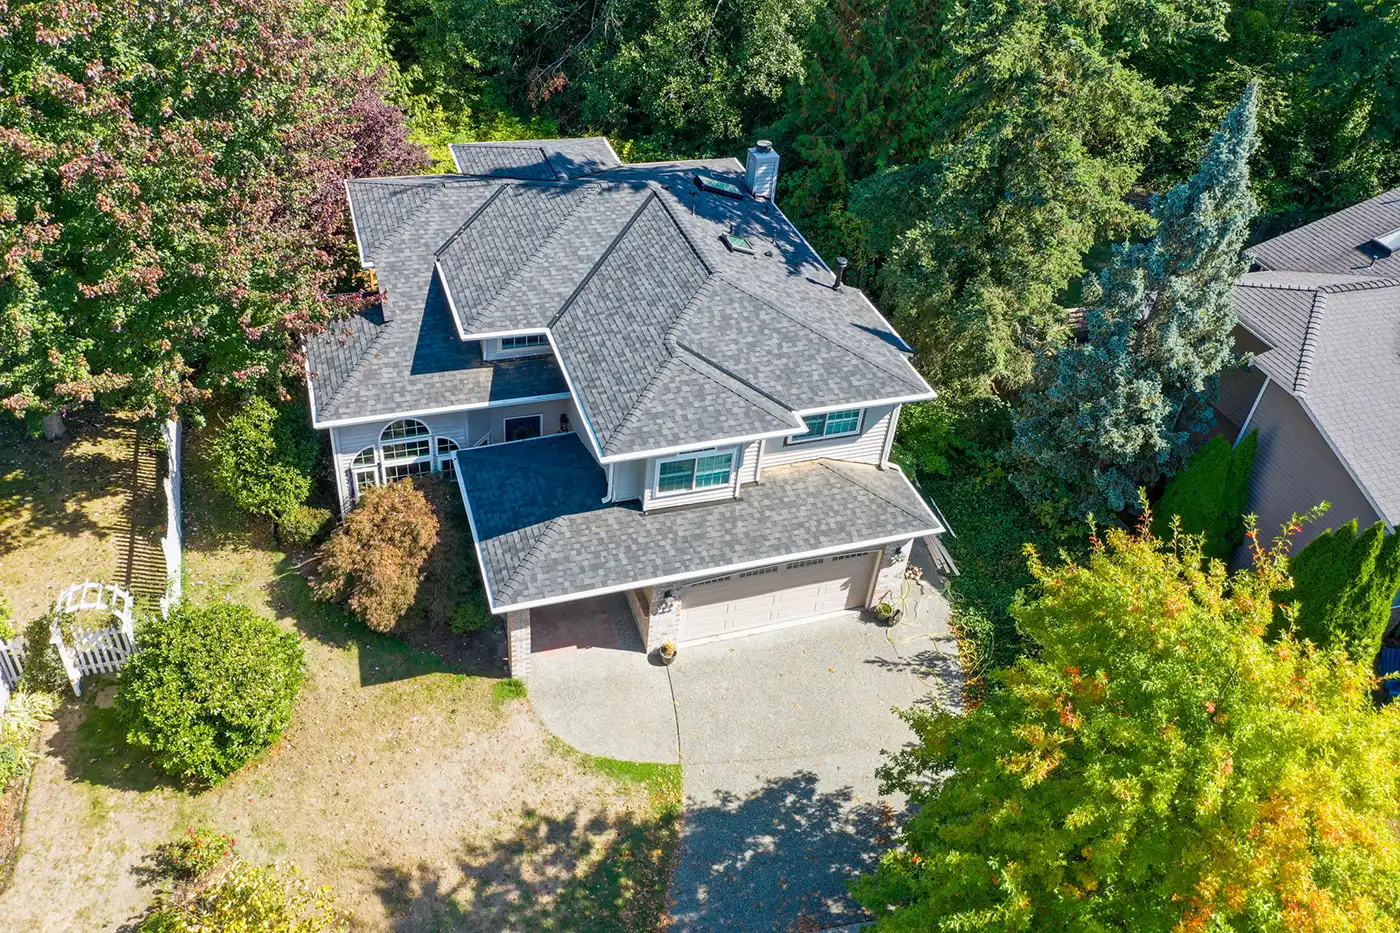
829, 424
521, 343
404, 428
446, 448
684, 474
393, 471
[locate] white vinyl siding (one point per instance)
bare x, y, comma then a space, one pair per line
866, 447
748, 466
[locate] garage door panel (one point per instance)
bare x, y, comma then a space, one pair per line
771, 596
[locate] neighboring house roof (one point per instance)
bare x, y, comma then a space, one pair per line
1333, 243
649, 312
544, 534
1333, 335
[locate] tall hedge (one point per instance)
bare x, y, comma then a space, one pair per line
1343, 583
262, 457
1210, 496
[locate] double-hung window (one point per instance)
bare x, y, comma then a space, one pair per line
829, 424
693, 472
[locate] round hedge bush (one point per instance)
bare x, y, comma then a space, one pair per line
208, 689
262, 457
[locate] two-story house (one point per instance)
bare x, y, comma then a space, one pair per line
643, 379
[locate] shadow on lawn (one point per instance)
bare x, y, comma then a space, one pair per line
777, 860
91, 742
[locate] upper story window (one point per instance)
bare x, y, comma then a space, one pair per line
521, 343
406, 439
693, 471
829, 424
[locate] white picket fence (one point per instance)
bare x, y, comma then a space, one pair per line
92, 650
172, 543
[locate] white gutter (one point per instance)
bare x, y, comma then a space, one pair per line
420, 412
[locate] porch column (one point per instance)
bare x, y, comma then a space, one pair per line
665, 621
518, 643
889, 578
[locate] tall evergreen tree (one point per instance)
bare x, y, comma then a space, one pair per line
1343, 584
1118, 409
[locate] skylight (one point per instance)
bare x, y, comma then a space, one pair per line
1382, 246
737, 244
715, 186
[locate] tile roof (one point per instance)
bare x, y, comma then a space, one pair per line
652, 317
543, 532
1332, 323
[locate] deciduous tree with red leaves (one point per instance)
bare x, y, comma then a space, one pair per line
172, 215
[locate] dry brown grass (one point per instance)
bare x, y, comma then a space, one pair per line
423, 803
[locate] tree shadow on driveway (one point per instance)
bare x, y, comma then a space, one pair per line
777, 859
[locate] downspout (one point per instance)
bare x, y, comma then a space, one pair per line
609, 496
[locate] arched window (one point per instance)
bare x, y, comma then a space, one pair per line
364, 472
407, 448
446, 447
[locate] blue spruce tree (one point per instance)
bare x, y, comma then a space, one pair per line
1116, 408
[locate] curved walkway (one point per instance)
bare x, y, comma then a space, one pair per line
779, 735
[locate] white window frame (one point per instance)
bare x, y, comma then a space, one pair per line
526, 342
696, 455
386, 463
495, 348
539, 419
449, 458
358, 469
826, 418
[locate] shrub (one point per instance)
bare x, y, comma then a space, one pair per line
23, 716
249, 899
302, 525
196, 853
208, 689
1210, 496
7, 619
43, 668
1343, 584
471, 614
262, 458
374, 559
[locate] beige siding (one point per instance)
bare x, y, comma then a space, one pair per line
1295, 469
748, 467
1238, 390
629, 479
865, 447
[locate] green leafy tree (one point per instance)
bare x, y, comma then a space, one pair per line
1116, 410
262, 458
1210, 497
248, 898
1038, 140
1343, 585
208, 689
1157, 766
171, 203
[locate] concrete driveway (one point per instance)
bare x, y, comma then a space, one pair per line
779, 736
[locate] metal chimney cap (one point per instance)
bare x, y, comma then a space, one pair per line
840, 273
764, 145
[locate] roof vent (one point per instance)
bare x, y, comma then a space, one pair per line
761, 171
1382, 246
715, 186
840, 273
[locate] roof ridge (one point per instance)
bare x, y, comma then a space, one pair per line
530, 555
1308, 350
591, 191
827, 463
598, 263
822, 334
634, 413
353, 375
1364, 284
412, 215
437, 253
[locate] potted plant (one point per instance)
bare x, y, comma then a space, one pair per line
667, 652
887, 614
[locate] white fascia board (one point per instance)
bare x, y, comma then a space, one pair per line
701, 445
578, 404
355, 227
420, 412
451, 305
518, 332
897, 400
710, 571
1244, 428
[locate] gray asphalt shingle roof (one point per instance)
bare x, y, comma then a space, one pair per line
543, 532
1332, 323
651, 315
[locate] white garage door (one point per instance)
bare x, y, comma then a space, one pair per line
773, 595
